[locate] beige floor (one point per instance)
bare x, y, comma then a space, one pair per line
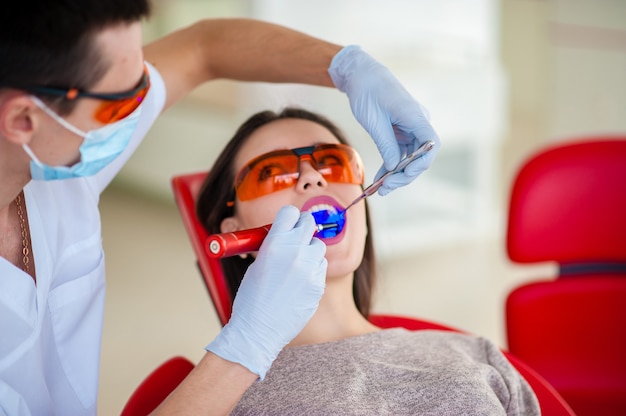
157, 306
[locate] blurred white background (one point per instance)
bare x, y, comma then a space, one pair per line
501, 79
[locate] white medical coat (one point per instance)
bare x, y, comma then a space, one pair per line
50, 333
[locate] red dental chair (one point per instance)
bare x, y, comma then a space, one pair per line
568, 205
150, 393
185, 189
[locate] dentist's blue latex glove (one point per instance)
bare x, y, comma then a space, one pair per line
278, 294
395, 120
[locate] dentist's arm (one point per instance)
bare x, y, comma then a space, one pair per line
238, 49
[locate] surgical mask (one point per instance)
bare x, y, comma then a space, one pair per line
99, 148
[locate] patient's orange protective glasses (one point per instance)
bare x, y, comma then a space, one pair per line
115, 106
275, 171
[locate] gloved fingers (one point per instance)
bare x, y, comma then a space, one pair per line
305, 227
289, 219
286, 218
416, 167
393, 182
315, 286
318, 251
425, 111
382, 191
403, 137
305, 261
381, 171
413, 169
424, 132
312, 282
394, 140
382, 132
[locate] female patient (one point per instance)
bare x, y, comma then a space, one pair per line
340, 363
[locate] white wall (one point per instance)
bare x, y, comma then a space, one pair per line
445, 53
588, 94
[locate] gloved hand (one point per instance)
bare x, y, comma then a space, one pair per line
278, 294
395, 120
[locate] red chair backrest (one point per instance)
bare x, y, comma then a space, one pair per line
186, 187
568, 206
157, 386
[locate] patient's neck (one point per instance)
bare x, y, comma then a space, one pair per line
337, 316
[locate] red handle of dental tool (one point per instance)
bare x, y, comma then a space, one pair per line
237, 242
243, 241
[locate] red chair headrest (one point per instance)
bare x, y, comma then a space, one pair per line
568, 204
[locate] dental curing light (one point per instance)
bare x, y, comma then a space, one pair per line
246, 241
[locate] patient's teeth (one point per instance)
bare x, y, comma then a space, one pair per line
323, 207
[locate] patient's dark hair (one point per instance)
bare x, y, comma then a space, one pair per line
218, 189
51, 42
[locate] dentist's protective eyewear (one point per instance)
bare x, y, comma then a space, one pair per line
115, 106
275, 171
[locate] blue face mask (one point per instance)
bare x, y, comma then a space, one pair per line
99, 147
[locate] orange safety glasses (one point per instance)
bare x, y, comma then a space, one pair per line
115, 106
275, 171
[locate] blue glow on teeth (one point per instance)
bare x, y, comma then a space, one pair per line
326, 217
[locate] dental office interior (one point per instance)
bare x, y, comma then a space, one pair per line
501, 79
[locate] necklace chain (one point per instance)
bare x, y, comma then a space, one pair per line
25, 238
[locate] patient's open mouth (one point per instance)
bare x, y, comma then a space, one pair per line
326, 214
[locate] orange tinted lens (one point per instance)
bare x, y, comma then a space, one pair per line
339, 164
111, 111
276, 171
266, 174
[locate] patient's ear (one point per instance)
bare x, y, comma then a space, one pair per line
229, 225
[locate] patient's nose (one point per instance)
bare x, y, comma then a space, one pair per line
309, 177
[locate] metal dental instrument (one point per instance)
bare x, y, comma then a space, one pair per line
416, 154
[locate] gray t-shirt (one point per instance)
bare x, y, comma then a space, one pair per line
392, 372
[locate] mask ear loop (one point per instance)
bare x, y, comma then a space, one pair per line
30, 153
57, 118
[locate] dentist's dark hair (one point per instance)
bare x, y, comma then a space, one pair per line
52, 42
218, 190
